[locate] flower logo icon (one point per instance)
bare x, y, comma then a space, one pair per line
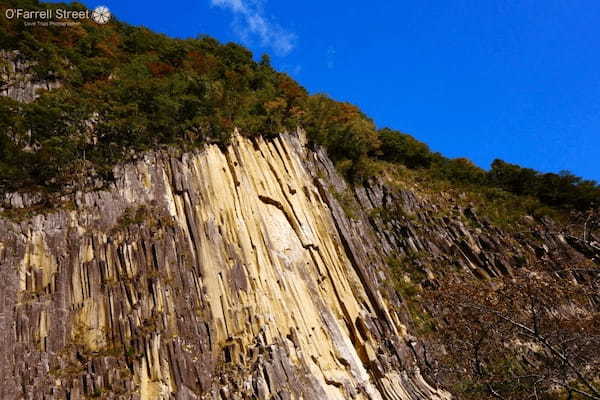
101, 15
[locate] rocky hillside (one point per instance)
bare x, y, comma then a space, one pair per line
161, 239
252, 271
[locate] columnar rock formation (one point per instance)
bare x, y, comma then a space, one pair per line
223, 273
16, 80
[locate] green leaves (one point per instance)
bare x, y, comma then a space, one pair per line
55, 114
403, 148
127, 89
563, 190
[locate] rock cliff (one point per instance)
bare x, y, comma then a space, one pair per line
228, 273
16, 78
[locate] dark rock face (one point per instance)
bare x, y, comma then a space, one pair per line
220, 274
456, 237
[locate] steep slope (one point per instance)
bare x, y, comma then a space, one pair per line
219, 274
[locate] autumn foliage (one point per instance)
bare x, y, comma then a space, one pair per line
534, 334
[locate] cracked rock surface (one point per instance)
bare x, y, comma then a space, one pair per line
221, 274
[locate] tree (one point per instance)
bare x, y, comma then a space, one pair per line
265, 60
533, 335
402, 148
460, 170
591, 224
563, 190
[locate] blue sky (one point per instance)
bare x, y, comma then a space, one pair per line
483, 79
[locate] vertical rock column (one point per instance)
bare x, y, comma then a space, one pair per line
220, 274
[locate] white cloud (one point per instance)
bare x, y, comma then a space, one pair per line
250, 22
330, 57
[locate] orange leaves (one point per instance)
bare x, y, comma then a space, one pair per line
290, 88
200, 63
110, 45
276, 104
159, 69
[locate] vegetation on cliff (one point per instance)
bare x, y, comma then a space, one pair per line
500, 314
126, 89
532, 335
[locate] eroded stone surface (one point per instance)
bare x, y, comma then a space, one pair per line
217, 275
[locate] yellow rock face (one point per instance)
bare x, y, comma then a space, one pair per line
234, 275
38, 267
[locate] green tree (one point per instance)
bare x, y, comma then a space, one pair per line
402, 148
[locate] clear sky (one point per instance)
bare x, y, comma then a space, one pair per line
483, 79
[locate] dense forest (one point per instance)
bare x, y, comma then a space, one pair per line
126, 89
